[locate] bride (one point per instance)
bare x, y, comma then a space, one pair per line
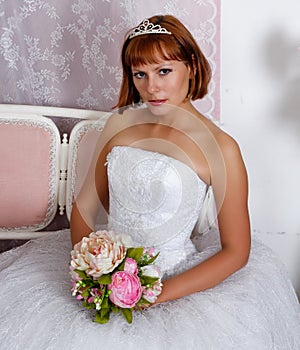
158, 164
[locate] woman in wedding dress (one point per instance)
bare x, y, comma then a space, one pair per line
157, 166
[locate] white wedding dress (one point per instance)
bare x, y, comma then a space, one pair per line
157, 200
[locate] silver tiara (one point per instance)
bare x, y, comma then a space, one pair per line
146, 27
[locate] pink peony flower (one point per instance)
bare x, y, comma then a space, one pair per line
131, 266
99, 253
151, 293
125, 289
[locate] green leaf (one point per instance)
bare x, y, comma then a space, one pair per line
104, 303
148, 280
135, 253
114, 309
104, 313
102, 316
104, 279
81, 274
121, 266
85, 293
152, 259
127, 313
88, 305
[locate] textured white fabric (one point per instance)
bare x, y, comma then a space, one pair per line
156, 200
67, 53
256, 308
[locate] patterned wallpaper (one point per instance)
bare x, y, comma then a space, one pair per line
66, 53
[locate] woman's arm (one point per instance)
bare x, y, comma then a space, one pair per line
91, 202
234, 226
90, 205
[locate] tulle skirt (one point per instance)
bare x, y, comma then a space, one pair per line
254, 309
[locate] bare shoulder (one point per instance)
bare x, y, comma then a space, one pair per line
114, 121
227, 144
122, 128
227, 151
232, 157
124, 119
115, 124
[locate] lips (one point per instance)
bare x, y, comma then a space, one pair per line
157, 102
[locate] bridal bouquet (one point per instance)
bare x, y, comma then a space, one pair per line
109, 276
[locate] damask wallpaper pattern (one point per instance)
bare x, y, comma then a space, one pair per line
67, 53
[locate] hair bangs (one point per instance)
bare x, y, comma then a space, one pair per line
149, 49
153, 48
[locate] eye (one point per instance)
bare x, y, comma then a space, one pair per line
165, 71
139, 75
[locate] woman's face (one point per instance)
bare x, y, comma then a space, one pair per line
161, 84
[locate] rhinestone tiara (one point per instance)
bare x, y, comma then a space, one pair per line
146, 27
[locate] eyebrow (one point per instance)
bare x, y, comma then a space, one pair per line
156, 65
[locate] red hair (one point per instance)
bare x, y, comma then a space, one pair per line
150, 48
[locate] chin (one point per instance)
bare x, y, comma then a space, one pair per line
160, 110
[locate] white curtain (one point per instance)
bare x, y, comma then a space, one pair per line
67, 53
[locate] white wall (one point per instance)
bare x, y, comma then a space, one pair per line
260, 94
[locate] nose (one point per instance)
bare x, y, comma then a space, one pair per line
153, 85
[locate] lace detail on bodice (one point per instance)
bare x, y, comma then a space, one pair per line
156, 200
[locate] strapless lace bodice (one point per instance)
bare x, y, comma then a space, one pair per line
156, 200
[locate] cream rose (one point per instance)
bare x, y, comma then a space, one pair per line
99, 253
151, 271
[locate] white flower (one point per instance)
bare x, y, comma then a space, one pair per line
99, 253
6, 41
151, 271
